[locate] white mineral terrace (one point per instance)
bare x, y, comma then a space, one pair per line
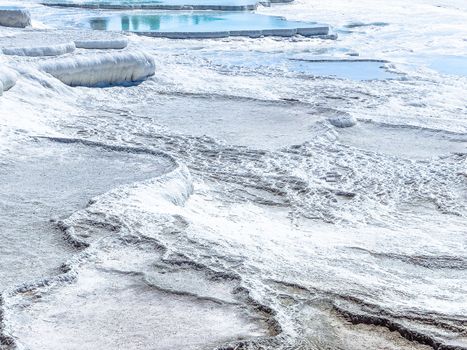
233, 174
101, 69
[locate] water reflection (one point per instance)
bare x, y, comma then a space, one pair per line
192, 22
151, 22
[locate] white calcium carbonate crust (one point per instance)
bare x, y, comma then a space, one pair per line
49, 50
115, 44
101, 69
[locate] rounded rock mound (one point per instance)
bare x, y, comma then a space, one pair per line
343, 120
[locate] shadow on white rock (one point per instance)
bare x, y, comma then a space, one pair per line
8, 79
102, 69
13, 16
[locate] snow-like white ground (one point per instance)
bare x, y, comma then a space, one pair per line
229, 207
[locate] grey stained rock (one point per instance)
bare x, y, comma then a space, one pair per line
13, 16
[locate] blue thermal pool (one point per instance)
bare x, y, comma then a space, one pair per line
205, 24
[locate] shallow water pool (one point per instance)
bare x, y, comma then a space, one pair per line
206, 24
450, 65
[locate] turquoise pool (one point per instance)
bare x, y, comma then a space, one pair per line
205, 24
